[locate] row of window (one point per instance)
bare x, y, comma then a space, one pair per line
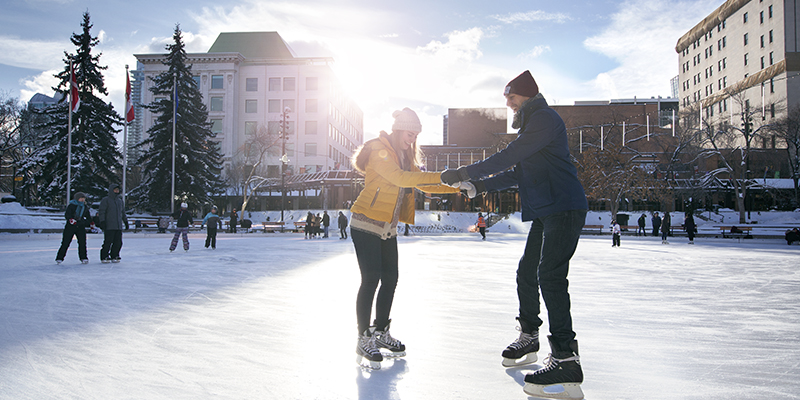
275, 106
287, 84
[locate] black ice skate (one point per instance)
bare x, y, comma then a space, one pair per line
367, 349
560, 378
523, 350
384, 340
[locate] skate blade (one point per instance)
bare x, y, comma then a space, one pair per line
529, 358
571, 391
392, 354
367, 364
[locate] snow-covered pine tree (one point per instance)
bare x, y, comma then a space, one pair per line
197, 157
95, 157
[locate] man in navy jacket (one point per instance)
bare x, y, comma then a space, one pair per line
538, 163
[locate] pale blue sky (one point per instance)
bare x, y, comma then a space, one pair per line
428, 55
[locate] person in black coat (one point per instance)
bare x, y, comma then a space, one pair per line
183, 219
689, 226
326, 222
78, 218
112, 220
234, 221
342, 226
656, 220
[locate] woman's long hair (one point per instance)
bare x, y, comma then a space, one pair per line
361, 155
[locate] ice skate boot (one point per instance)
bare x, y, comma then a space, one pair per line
384, 340
59, 261
367, 349
84, 261
523, 350
105, 261
561, 376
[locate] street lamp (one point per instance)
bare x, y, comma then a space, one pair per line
284, 160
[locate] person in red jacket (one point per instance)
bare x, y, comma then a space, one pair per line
481, 224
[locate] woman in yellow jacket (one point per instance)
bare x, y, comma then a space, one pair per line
390, 164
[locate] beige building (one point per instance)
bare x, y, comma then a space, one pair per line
251, 81
744, 54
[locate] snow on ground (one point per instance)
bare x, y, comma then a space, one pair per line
273, 317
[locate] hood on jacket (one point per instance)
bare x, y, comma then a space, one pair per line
111, 189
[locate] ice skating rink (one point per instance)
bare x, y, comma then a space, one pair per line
273, 317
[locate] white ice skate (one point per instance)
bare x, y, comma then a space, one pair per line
570, 391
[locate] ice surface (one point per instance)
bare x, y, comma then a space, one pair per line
273, 317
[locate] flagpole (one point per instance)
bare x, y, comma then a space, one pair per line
125, 136
174, 125
69, 134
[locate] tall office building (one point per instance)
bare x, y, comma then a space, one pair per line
744, 54
249, 80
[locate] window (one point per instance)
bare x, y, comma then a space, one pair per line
311, 149
311, 83
250, 127
196, 81
772, 114
216, 126
290, 149
724, 41
216, 104
274, 127
744, 18
274, 84
216, 82
745, 39
273, 106
771, 58
772, 85
311, 105
761, 17
251, 85
745, 58
288, 103
762, 41
311, 127
770, 36
251, 106
724, 81
770, 11
288, 84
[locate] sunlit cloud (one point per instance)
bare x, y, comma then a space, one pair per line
531, 16
535, 52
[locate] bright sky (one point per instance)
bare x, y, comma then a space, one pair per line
427, 55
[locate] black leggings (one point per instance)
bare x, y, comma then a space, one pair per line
377, 260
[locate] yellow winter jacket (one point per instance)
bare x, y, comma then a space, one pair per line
385, 179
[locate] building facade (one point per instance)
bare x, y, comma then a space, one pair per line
251, 82
744, 55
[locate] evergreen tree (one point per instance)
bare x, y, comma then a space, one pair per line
95, 157
197, 157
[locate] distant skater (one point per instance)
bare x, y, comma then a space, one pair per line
78, 218
665, 225
234, 221
689, 226
212, 221
342, 226
481, 224
616, 231
640, 231
183, 218
112, 219
656, 221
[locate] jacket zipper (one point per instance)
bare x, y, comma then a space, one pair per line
375, 198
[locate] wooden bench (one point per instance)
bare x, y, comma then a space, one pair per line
593, 228
745, 231
276, 226
299, 226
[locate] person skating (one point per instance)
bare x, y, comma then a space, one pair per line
640, 231
78, 218
234, 221
212, 221
112, 219
342, 226
481, 225
183, 218
553, 199
309, 227
390, 164
326, 222
616, 231
656, 221
665, 226
689, 226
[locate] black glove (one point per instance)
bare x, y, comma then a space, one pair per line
102, 225
451, 177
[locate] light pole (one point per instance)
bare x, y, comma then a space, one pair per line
284, 161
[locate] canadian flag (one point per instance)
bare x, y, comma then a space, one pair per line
129, 113
75, 100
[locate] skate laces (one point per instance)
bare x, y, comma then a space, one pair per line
387, 339
523, 340
551, 363
368, 344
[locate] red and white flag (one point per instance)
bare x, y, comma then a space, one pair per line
75, 100
129, 114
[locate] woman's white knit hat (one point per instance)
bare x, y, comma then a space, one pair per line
406, 120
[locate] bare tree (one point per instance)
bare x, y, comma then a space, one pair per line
248, 170
788, 130
12, 139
